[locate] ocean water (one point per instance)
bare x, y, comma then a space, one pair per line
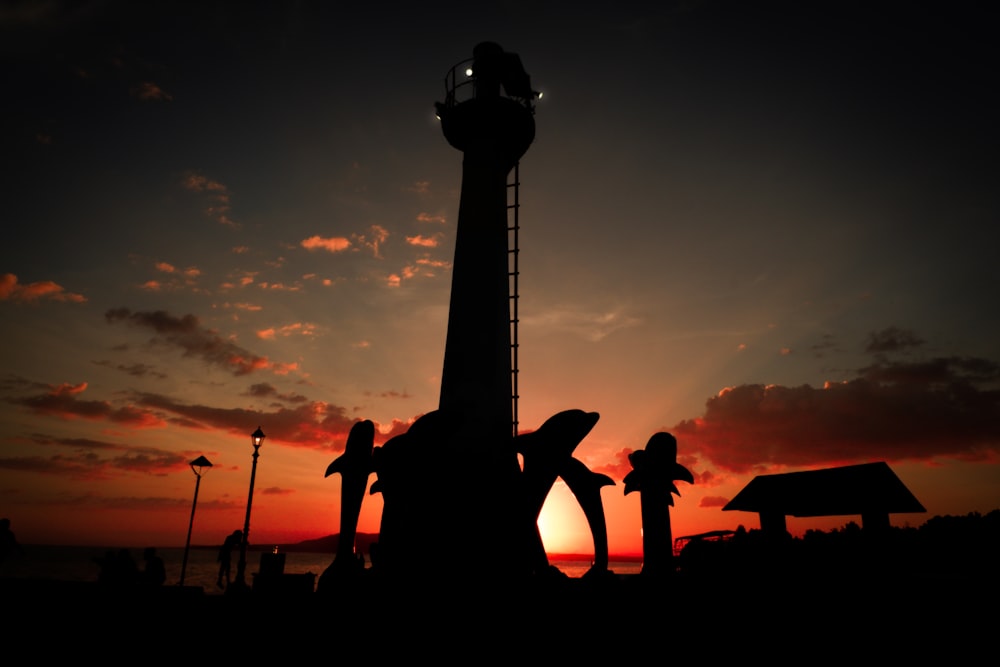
81, 564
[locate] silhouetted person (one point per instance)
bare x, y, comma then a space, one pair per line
154, 574
226, 556
8, 543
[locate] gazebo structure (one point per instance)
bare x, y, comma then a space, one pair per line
871, 490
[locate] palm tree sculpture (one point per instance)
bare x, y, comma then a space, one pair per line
654, 471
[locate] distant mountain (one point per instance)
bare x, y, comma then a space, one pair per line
328, 544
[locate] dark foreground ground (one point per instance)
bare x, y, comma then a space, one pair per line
621, 618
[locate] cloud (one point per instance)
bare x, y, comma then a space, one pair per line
892, 411
136, 370
373, 240
333, 244
148, 91
427, 217
187, 334
314, 424
11, 290
266, 390
62, 401
587, 325
892, 339
87, 461
711, 502
217, 192
424, 241
296, 329
179, 278
619, 467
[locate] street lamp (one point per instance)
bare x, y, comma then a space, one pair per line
197, 467
257, 439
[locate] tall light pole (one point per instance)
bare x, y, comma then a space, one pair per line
197, 467
257, 438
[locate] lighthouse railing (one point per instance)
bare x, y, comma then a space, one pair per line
460, 86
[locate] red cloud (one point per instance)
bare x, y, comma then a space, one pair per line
619, 468
61, 401
333, 244
309, 424
11, 290
894, 411
423, 241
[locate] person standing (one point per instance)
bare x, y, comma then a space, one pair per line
226, 557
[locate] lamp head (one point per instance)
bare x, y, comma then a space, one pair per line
199, 464
257, 437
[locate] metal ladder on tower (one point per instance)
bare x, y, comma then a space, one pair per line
513, 227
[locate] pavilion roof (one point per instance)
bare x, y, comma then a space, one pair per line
856, 489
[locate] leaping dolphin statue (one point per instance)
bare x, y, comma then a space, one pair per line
586, 486
354, 466
546, 452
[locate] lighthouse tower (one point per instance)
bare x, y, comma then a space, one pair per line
488, 114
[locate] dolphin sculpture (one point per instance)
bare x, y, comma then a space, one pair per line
354, 466
546, 452
586, 486
403, 465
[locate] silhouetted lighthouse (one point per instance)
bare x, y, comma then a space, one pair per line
488, 114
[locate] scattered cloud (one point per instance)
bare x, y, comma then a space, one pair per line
427, 217
373, 240
389, 394
217, 193
313, 424
296, 329
892, 339
424, 241
12, 290
187, 334
333, 244
135, 370
266, 390
590, 326
62, 401
148, 91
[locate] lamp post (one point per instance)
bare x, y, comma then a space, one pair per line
257, 438
197, 467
